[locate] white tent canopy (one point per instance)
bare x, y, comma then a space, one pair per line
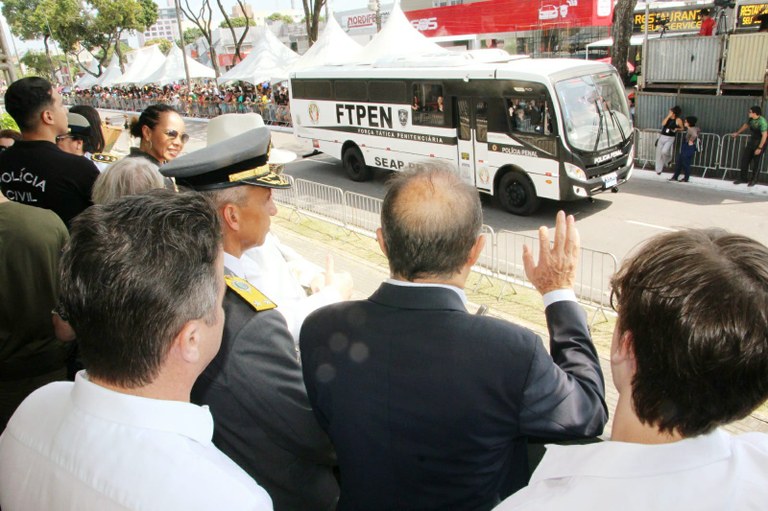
268, 60
172, 69
112, 74
86, 81
334, 46
398, 38
144, 62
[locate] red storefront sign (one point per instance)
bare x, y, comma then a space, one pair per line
499, 16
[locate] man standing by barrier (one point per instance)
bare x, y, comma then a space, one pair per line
753, 153
429, 407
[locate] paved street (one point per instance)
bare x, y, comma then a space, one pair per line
614, 223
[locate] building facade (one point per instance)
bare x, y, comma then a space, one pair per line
166, 27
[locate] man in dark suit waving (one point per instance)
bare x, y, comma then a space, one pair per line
428, 406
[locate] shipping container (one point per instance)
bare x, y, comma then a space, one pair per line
684, 60
747, 58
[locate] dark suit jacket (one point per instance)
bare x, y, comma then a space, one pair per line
429, 406
262, 417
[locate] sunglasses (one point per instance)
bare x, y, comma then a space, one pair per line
59, 138
172, 134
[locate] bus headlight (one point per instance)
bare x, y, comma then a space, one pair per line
575, 172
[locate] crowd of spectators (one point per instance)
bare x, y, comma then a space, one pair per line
206, 100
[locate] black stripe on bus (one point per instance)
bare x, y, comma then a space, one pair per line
517, 150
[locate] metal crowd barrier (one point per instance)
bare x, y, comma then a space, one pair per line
733, 150
718, 153
645, 147
486, 263
593, 274
318, 200
502, 256
286, 196
362, 213
709, 156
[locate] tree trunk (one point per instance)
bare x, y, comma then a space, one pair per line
50, 60
622, 31
316, 19
214, 58
239, 42
231, 30
119, 52
312, 18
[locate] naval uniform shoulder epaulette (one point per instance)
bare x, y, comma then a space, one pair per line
104, 158
250, 294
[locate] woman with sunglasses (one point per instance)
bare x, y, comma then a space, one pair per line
161, 130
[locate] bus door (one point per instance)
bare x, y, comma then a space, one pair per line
472, 137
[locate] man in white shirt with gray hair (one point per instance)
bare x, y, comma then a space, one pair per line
142, 285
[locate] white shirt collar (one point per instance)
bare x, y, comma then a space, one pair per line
623, 459
177, 417
234, 265
405, 283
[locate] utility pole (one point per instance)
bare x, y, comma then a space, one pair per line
183, 46
375, 6
6, 64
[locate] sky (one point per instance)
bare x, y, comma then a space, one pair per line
336, 5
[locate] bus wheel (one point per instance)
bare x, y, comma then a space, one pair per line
517, 195
355, 165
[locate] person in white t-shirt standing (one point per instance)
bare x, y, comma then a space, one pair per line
689, 354
142, 285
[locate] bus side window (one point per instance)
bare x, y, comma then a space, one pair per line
427, 104
465, 128
529, 115
481, 120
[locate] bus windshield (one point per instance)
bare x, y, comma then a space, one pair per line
595, 113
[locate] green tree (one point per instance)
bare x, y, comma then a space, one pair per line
67, 24
38, 64
165, 44
56, 20
238, 22
276, 16
111, 18
191, 35
312, 10
149, 13
25, 18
